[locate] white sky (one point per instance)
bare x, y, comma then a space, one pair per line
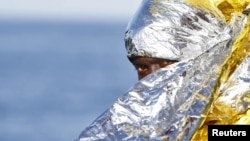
69, 9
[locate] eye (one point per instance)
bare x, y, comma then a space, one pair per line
142, 68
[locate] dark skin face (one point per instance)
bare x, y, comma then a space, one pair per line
147, 65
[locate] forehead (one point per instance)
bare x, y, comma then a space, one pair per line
144, 60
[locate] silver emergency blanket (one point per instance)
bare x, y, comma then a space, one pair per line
172, 103
171, 30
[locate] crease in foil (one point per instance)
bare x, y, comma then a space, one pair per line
176, 101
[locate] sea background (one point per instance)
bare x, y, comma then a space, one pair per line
58, 77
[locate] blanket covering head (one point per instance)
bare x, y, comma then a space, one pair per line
210, 84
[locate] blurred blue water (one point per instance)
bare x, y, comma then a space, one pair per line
56, 78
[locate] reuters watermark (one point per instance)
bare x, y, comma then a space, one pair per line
241, 132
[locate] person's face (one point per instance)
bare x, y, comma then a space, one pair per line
147, 65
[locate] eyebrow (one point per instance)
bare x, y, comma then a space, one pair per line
153, 61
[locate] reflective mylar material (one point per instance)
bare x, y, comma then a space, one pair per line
171, 30
209, 85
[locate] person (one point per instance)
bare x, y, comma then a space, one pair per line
193, 69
